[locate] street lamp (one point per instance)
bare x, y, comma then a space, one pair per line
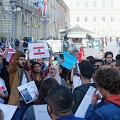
45, 20
1, 2
11, 12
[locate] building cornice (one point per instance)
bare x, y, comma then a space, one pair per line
19, 3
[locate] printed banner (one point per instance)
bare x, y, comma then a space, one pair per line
28, 91
38, 50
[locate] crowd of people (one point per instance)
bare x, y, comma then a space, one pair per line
56, 87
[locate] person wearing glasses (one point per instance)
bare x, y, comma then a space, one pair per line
18, 76
98, 63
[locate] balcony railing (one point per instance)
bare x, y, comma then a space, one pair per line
19, 3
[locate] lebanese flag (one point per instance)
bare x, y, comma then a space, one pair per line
11, 50
10, 54
38, 50
10, 57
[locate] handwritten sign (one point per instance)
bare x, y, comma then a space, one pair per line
38, 50
85, 103
8, 111
41, 112
28, 91
69, 60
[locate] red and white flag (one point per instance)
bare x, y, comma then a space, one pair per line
10, 57
38, 50
10, 54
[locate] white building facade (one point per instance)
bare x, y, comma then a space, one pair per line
99, 16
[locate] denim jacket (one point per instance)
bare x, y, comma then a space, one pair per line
109, 111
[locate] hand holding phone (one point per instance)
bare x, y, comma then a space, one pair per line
61, 56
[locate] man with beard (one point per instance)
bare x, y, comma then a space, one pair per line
60, 103
17, 77
108, 58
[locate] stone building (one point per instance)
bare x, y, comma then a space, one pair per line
30, 23
100, 16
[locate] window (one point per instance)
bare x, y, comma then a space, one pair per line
103, 19
94, 29
78, 19
78, 3
112, 19
85, 19
86, 4
111, 3
94, 3
103, 3
94, 19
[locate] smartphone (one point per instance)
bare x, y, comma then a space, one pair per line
61, 56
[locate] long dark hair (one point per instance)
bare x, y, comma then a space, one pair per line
46, 85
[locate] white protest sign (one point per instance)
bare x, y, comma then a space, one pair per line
28, 91
8, 111
38, 50
85, 103
41, 112
76, 81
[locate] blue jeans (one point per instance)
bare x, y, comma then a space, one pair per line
18, 115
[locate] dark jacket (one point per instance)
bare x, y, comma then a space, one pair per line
5, 76
70, 117
79, 93
30, 115
109, 111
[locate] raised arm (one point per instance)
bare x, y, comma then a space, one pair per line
14, 65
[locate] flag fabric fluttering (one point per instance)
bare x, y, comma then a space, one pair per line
10, 52
39, 10
41, 6
36, 4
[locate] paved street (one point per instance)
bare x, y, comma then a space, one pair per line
94, 52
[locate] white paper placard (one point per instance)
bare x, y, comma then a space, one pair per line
85, 103
38, 50
8, 111
28, 91
76, 81
41, 112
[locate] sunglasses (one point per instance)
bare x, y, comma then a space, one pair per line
96, 66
